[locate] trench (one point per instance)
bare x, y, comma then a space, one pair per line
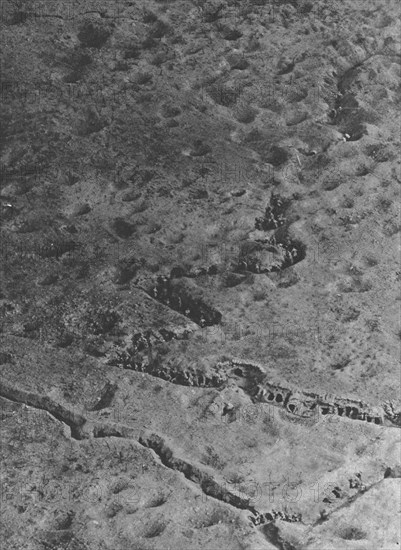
77, 423
179, 374
348, 115
74, 420
307, 405
272, 534
251, 378
350, 500
206, 482
80, 427
186, 299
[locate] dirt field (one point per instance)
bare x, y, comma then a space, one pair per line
200, 268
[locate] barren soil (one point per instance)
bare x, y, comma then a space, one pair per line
199, 299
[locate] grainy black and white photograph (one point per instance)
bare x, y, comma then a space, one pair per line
200, 275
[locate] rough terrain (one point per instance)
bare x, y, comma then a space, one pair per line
199, 298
